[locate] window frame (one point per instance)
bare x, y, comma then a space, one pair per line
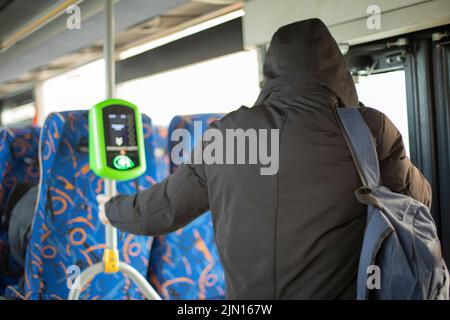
427, 76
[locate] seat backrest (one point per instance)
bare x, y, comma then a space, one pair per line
66, 235
18, 165
185, 264
18, 159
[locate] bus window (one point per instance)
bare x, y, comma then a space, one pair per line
20, 115
387, 92
76, 89
218, 85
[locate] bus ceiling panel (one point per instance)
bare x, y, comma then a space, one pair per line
349, 21
55, 40
14, 14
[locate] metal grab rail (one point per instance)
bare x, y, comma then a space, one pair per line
111, 263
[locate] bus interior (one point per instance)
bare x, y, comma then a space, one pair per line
181, 61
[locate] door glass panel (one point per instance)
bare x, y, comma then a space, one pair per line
387, 92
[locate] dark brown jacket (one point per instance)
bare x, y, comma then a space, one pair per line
296, 234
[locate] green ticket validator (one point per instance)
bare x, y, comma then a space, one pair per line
116, 140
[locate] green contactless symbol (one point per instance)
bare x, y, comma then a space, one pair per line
123, 162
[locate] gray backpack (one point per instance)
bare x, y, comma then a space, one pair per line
401, 255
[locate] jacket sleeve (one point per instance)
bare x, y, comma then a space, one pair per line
397, 171
163, 208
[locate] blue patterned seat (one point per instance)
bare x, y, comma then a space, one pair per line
185, 264
18, 164
66, 230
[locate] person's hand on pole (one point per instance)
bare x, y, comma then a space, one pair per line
102, 199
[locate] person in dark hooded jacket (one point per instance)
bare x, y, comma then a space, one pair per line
296, 234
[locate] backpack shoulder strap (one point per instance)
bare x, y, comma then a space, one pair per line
361, 144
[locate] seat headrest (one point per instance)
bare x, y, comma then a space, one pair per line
25, 144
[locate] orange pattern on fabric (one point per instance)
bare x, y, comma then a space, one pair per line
170, 282
80, 241
83, 220
48, 252
72, 153
67, 185
200, 245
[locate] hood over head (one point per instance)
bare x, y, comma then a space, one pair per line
303, 58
